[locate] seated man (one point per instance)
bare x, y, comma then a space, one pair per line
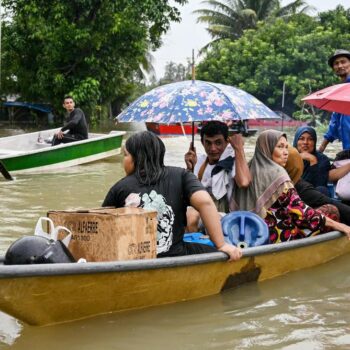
223, 164
76, 124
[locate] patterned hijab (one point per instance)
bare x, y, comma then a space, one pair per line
295, 164
269, 179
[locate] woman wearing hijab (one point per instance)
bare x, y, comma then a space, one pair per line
316, 164
150, 184
317, 168
273, 197
294, 167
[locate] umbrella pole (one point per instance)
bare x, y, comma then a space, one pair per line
192, 143
193, 67
183, 129
193, 79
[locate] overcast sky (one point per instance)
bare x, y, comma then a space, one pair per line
187, 35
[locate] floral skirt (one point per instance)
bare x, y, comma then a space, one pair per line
290, 229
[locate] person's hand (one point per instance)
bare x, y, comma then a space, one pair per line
60, 134
323, 145
236, 141
345, 229
191, 158
347, 232
338, 226
233, 252
321, 148
312, 159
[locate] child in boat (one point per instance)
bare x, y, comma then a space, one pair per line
169, 190
273, 197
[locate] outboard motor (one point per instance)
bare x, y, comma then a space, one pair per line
37, 250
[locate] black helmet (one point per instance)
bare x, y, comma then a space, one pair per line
37, 250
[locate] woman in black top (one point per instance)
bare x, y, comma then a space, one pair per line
169, 190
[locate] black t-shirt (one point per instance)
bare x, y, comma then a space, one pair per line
169, 196
76, 124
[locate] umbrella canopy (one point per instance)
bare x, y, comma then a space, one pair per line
195, 101
335, 98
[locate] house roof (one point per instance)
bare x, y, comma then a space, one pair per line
36, 106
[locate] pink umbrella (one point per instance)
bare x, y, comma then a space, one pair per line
335, 98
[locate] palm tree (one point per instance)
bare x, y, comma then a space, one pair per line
229, 18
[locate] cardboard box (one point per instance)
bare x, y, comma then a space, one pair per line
107, 234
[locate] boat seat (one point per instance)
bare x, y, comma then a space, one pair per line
43, 144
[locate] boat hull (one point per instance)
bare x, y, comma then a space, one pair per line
171, 129
274, 123
44, 157
55, 293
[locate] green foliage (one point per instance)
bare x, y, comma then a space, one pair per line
230, 18
293, 52
89, 48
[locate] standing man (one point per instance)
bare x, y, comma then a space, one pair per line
76, 124
339, 125
222, 165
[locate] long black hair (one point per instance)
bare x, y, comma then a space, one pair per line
147, 151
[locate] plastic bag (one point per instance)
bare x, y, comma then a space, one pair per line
53, 231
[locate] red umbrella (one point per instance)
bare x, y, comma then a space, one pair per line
335, 98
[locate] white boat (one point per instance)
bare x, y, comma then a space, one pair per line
29, 153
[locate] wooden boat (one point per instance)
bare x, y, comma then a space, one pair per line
284, 120
29, 153
171, 129
54, 293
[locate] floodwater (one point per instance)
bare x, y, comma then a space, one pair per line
308, 309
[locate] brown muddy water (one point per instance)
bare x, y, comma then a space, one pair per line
308, 309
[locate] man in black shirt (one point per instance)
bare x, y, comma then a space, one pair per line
76, 124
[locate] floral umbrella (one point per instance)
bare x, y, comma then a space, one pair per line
335, 98
195, 101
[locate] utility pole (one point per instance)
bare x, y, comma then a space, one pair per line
0, 42
283, 94
193, 66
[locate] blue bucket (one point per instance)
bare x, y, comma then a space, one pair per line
245, 229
